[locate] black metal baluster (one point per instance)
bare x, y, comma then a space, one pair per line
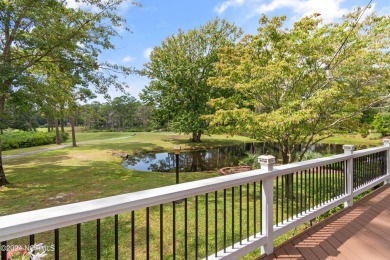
371, 174
338, 179
306, 197
343, 177
282, 209
301, 204
332, 188
288, 191
317, 197
292, 196
133, 235
366, 170
331, 183
261, 207
224, 220
147, 232
216, 223
313, 186
373, 167
161, 231
364, 165
277, 200
116, 224
310, 187
320, 186
196, 226
232, 217
56, 244
323, 185
98, 248
174, 230
254, 209
207, 225
359, 173
78, 227
296, 195
322, 170
240, 214
4, 250
32, 240
359, 179
247, 212
185, 228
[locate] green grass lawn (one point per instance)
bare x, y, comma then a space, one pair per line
89, 171
354, 139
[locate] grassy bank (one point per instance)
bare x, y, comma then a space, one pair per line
89, 171
355, 139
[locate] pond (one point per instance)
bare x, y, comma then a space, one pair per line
212, 159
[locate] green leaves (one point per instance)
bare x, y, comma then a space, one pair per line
279, 89
179, 70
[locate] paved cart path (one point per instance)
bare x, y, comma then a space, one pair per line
13, 156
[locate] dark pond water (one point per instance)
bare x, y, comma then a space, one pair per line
212, 159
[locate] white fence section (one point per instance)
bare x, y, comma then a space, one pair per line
350, 172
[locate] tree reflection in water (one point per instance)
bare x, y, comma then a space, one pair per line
210, 160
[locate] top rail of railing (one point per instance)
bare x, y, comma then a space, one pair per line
31, 222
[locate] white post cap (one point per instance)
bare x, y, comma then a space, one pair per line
386, 142
266, 161
348, 148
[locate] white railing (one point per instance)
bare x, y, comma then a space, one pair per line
37, 221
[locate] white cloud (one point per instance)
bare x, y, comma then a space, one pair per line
221, 7
127, 59
74, 4
329, 9
147, 52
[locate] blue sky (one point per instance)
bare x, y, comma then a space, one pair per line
158, 19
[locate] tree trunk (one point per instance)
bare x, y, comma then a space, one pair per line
3, 180
48, 124
62, 125
196, 136
58, 138
72, 123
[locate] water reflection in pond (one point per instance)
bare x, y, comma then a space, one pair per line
212, 159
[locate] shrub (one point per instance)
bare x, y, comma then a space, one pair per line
381, 123
374, 136
309, 155
250, 160
14, 140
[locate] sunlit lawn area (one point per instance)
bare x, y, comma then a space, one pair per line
89, 171
355, 139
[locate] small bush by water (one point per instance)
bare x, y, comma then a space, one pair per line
16, 140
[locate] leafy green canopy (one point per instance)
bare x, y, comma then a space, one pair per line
179, 70
49, 51
278, 78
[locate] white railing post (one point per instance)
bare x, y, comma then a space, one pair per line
386, 142
348, 149
267, 163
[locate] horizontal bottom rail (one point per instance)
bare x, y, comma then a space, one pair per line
372, 184
306, 217
240, 248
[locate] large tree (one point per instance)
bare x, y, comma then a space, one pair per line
38, 36
179, 70
281, 92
